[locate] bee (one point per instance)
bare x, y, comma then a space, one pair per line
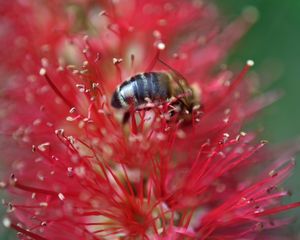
156, 88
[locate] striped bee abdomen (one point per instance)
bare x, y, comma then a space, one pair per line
151, 85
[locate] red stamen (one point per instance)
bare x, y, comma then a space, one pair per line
276, 210
55, 89
27, 232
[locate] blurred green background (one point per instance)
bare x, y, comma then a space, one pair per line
274, 43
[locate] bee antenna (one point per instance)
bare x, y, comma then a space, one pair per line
172, 69
178, 74
153, 61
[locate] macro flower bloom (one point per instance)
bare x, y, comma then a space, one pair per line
77, 171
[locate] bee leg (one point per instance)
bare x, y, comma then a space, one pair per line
126, 117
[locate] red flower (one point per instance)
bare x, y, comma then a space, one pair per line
78, 172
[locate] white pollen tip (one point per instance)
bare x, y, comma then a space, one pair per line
250, 63
102, 13
117, 60
161, 46
6, 222
61, 196
250, 14
42, 71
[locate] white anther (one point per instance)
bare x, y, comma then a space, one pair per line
43, 71
250, 63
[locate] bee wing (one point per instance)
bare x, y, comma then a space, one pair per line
179, 78
185, 91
